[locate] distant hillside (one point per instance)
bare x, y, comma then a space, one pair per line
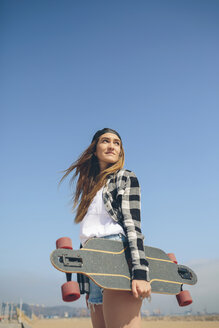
47, 312
54, 311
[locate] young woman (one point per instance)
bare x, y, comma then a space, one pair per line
108, 206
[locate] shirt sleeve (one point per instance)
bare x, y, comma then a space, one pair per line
131, 210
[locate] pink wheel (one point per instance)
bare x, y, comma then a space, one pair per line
172, 257
64, 242
70, 291
184, 298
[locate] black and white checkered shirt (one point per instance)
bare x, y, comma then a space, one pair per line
122, 199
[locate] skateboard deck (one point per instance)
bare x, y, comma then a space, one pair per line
108, 264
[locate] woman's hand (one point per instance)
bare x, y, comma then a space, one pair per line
141, 288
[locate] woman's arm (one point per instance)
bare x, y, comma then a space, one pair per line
131, 210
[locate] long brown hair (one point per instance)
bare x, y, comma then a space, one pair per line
90, 178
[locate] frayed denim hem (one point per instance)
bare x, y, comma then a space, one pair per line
91, 305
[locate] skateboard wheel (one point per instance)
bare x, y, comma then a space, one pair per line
172, 257
70, 291
184, 298
64, 242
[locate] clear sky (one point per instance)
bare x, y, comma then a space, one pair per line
148, 69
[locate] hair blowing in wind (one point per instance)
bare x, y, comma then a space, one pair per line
89, 178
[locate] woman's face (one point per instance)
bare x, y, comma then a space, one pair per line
108, 150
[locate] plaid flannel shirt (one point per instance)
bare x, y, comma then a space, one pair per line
122, 199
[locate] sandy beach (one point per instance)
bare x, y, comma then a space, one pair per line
164, 323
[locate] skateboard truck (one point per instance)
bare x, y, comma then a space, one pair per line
71, 261
70, 290
68, 276
184, 273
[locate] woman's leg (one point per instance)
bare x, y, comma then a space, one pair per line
95, 303
96, 313
121, 309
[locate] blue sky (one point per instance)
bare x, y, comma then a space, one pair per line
148, 69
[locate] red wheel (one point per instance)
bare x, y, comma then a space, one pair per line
70, 291
184, 298
172, 257
64, 242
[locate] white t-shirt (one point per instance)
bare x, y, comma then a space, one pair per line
97, 222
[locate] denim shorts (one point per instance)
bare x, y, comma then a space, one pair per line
96, 292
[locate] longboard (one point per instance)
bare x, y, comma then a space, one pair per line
108, 264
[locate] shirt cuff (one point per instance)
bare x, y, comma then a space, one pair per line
141, 275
